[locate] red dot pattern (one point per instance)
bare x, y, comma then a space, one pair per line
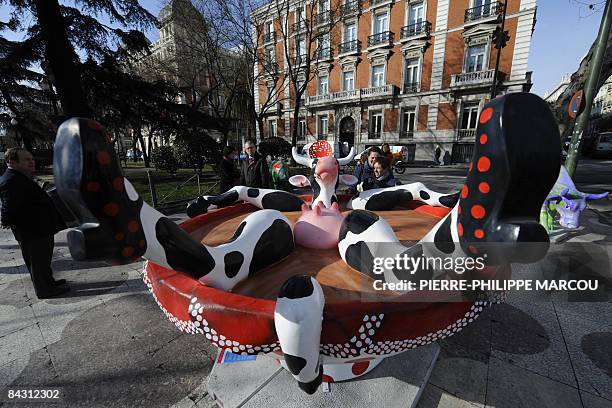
111, 209
92, 124
118, 184
484, 164
483, 139
103, 158
465, 191
141, 243
460, 229
127, 251
133, 226
478, 233
484, 187
93, 186
478, 212
119, 236
485, 115
360, 367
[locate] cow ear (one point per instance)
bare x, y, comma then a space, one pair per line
348, 179
299, 181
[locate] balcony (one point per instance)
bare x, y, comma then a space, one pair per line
345, 95
299, 60
323, 17
298, 26
406, 134
378, 91
474, 79
411, 87
379, 2
269, 38
422, 28
482, 12
270, 67
323, 99
349, 47
350, 8
324, 54
384, 38
463, 134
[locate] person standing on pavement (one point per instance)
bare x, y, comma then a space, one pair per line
228, 172
29, 211
387, 153
254, 171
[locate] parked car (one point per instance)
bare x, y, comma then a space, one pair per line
131, 154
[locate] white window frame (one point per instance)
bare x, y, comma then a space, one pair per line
384, 74
408, 111
371, 122
302, 129
474, 111
375, 14
408, 8
344, 87
485, 57
320, 91
272, 128
322, 130
417, 70
347, 24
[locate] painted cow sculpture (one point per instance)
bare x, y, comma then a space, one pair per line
567, 202
517, 150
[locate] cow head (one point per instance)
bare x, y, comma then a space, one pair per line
325, 172
570, 206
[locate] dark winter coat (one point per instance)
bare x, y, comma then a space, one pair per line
255, 174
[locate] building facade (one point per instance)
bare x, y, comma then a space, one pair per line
407, 72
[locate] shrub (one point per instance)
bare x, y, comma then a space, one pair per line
163, 159
275, 147
194, 150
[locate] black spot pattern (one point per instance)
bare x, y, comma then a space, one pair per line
443, 239
297, 287
310, 387
253, 192
449, 200
227, 198
357, 222
237, 232
182, 252
281, 201
423, 273
295, 364
424, 195
274, 244
388, 200
359, 257
233, 261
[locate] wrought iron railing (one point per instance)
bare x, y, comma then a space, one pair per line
380, 38
406, 134
422, 27
323, 17
411, 87
466, 134
350, 7
349, 46
483, 11
269, 37
324, 53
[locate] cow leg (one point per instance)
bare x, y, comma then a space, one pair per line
116, 225
514, 167
298, 320
385, 199
262, 198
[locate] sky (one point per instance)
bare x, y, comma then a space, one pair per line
564, 31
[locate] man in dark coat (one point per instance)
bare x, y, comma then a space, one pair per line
33, 218
228, 173
254, 171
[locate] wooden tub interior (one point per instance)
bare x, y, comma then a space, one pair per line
338, 280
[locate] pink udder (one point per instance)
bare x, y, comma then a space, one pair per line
318, 228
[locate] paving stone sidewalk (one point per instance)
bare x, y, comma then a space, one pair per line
107, 344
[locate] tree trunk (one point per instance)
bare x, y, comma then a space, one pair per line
260, 126
294, 125
62, 58
140, 139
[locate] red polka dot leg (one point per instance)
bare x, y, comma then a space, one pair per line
515, 164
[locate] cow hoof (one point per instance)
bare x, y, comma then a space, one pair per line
90, 182
196, 207
516, 162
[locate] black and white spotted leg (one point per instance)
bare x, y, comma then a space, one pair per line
115, 224
514, 167
383, 199
260, 197
298, 320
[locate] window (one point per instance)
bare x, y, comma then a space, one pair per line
350, 32
483, 8
348, 80
269, 27
323, 5
381, 23
269, 56
322, 125
299, 84
300, 50
411, 75
375, 125
378, 75
324, 48
270, 90
301, 129
408, 121
272, 128
475, 58
469, 117
415, 13
323, 82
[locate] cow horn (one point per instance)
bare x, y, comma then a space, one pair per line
347, 159
304, 161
